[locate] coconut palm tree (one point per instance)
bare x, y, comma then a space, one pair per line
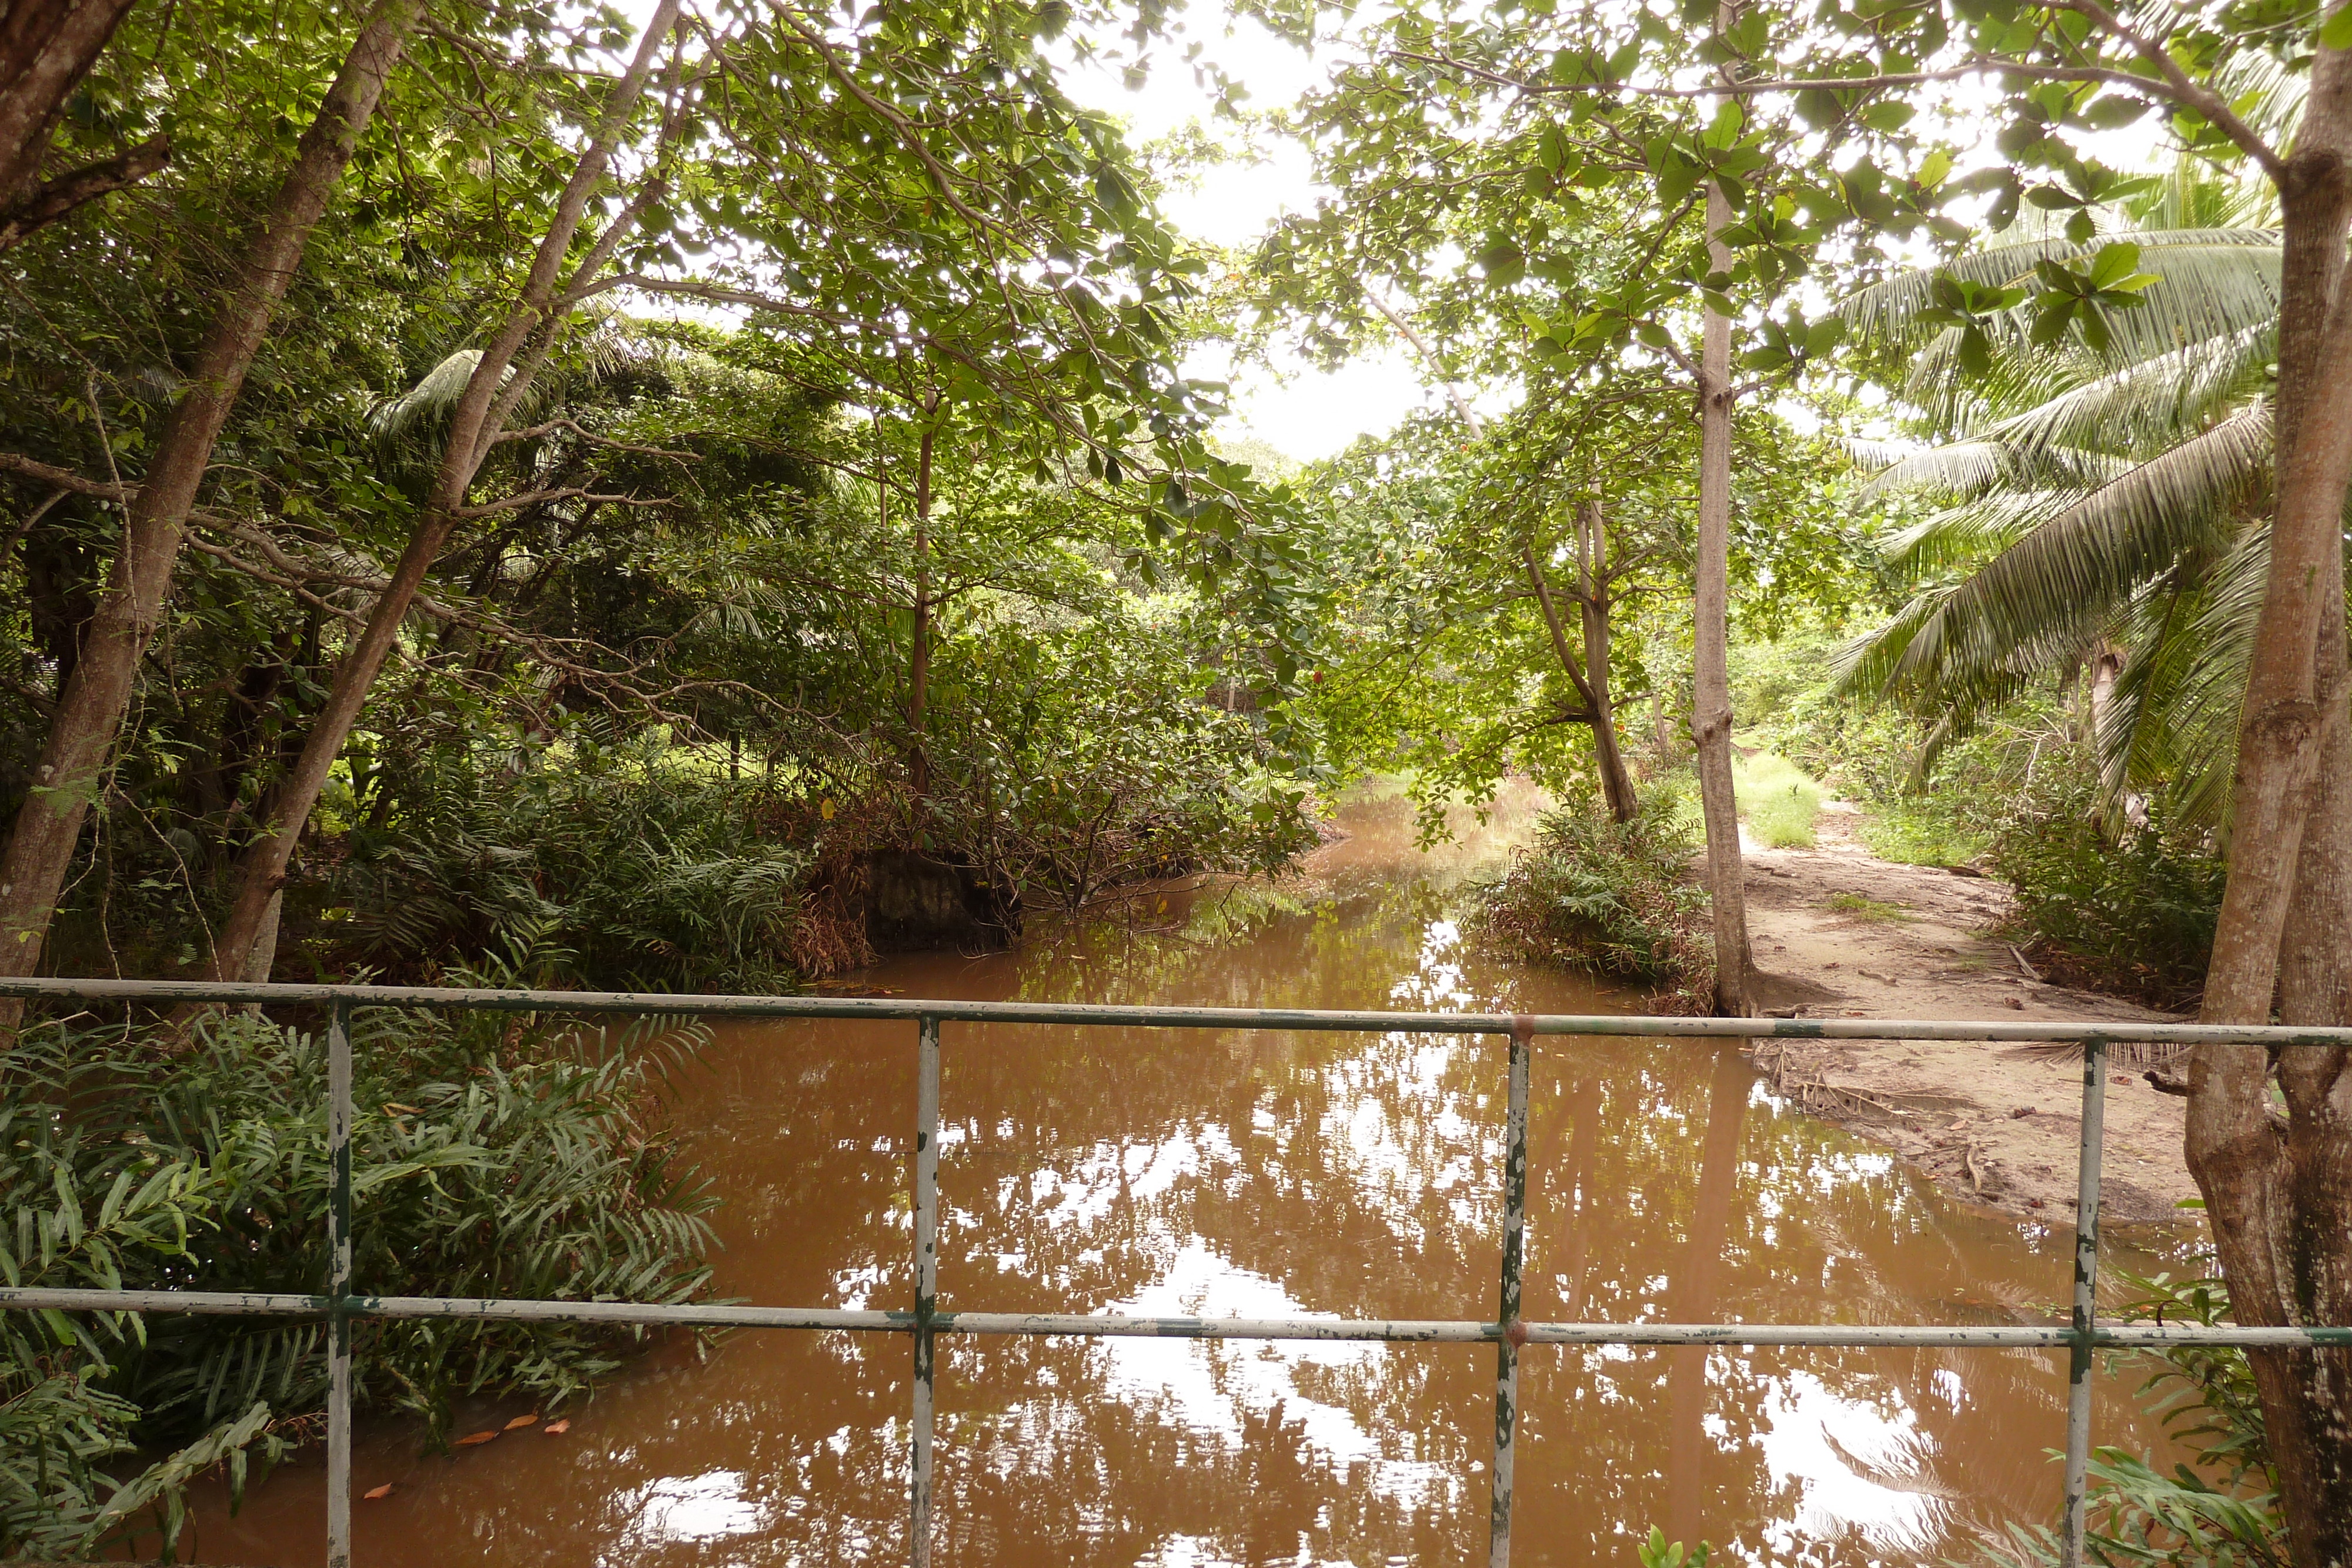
2101, 502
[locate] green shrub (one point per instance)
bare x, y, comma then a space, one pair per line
1931, 830
2131, 912
494, 1157
617, 864
1615, 899
1777, 799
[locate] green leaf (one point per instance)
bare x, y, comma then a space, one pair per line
1976, 351
2113, 264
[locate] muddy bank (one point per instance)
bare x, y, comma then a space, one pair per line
1842, 933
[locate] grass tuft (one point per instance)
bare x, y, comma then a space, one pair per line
1777, 799
1863, 908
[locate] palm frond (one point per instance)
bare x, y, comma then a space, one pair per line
2147, 405
2042, 597
397, 420
2174, 723
1964, 470
2214, 279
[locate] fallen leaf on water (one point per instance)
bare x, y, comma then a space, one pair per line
470, 1438
530, 1420
555, 1427
378, 1493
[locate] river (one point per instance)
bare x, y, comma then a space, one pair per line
1259, 1174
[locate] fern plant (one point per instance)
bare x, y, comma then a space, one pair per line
493, 1157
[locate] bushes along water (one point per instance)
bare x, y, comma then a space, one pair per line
493, 1157
1617, 899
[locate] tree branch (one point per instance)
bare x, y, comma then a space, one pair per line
2189, 93
65, 478
1559, 638
573, 425
61, 196
568, 493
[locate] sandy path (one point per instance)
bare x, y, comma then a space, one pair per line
1954, 1110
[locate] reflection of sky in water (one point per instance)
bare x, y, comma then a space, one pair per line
1208, 1384
707, 1507
1849, 1459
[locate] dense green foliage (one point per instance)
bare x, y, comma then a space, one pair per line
495, 1157
1616, 898
2130, 911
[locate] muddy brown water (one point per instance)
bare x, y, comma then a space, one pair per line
1259, 1174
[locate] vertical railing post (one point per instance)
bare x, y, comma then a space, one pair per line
2086, 1285
1506, 1352
339, 1286
927, 1283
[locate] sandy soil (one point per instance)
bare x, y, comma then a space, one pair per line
1994, 1125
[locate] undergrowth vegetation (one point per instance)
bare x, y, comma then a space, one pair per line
2130, 911
2218, 1510
495, 1156
611, 863
1777, 799
1615, 899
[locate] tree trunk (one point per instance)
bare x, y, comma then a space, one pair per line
1614, 788
481, 413
46, 49
263, 960
2099, 693
2279, 1193
1593, 601
91, 705
1711, 716
919, 660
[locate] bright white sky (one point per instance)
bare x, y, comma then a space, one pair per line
1302, 412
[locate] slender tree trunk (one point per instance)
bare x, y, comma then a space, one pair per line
919, 660
2099, 692
1711, 718
2278, 1192
89, 711
480, 413
1592, 599
46, 49
1616, 788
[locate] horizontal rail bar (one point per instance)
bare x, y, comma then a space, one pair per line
686, 1005
1440, 1331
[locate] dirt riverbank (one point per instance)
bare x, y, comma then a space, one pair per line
1841, 932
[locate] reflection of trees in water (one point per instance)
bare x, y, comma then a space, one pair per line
1273, 1173
1361, 1176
